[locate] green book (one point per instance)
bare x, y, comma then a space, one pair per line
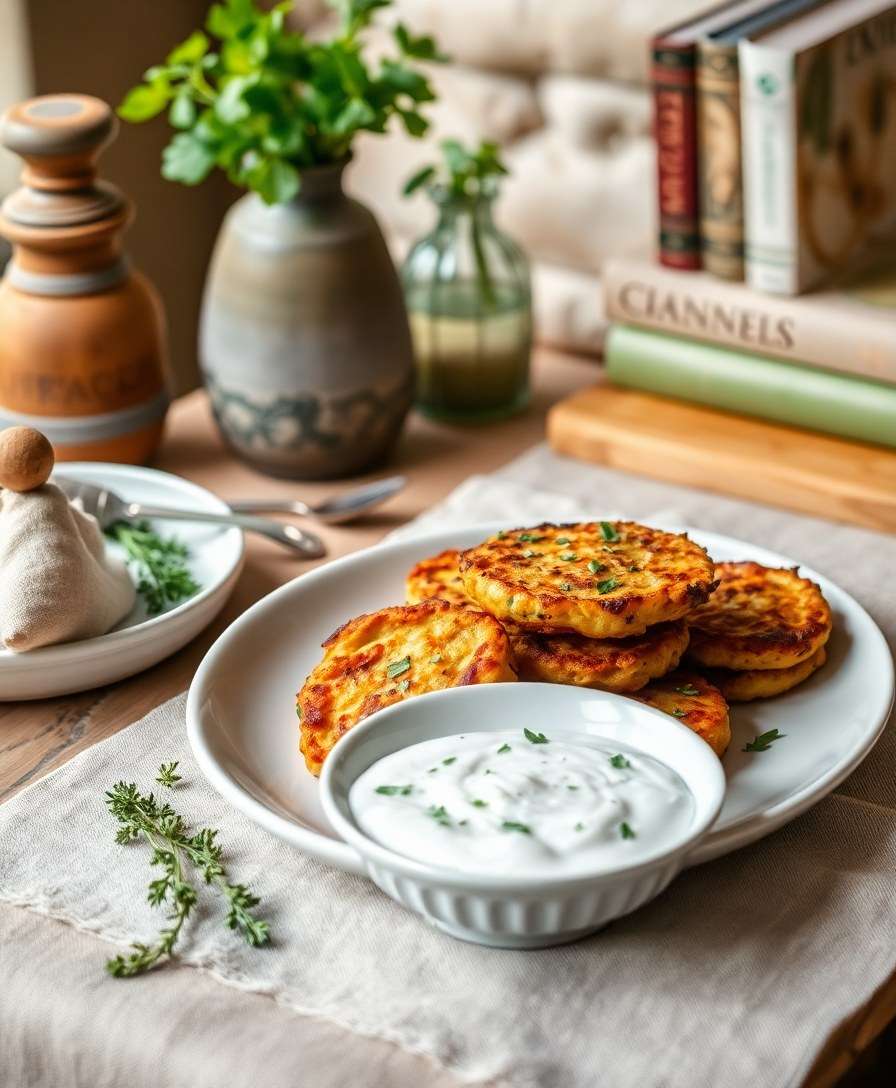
753, 385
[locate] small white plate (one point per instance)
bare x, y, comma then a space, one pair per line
139, 641
241, 708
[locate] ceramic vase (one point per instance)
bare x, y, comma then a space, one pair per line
83, 350
304, 342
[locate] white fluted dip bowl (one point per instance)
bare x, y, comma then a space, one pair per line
520, 911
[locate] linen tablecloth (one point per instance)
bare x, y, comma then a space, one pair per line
735, 976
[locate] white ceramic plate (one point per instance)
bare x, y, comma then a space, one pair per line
139, 641
241, 709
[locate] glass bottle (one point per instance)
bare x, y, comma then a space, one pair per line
469, 300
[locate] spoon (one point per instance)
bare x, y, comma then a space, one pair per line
107, 508
336, 509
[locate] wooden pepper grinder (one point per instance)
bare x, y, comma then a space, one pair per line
83, 351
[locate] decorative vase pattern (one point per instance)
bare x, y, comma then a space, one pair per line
304, 341
82, 339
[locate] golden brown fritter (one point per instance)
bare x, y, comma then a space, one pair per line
599, 579
382, 657
610, 664
759, 618
750, 684
437, 576
695, 703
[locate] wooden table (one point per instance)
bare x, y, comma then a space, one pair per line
38, 736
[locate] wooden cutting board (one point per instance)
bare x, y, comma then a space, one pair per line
733, 455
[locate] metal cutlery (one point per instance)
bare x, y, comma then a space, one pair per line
332, 511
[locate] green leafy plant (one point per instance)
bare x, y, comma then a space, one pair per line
144, 816
263, 102
465, 175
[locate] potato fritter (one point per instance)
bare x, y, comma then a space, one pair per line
695, 703
382, 657
599, 579
744, 687
437, 576
759, 618
610, 664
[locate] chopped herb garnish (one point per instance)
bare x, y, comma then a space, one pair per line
580, 827
512, 825
396, 668
488, 770
607, 585
625, 831
403, 686
439, 814
432, 770
462, 823
687, 689
561, 540
763, 742
572, 787
393, 791
569, 557
678, 712
566, 586
500, 534
510, 601
596, 567
609, 532
449, 760
530, 538
633, 570
479, 804
504, 748
435, 659
535, 738
529, 554
619, 761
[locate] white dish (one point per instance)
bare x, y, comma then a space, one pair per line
523, 911
241, 707
139, 641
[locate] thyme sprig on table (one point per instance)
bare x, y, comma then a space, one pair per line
174, 849
160, 564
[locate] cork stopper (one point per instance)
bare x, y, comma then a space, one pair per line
26, 459
60, 137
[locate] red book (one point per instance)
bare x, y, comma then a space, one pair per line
673, 75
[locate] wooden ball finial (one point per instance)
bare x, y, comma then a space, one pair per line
26, 459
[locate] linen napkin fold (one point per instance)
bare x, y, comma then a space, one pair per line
57, 581
735, 975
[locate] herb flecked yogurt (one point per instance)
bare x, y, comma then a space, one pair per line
521, 803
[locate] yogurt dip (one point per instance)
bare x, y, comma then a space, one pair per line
520, 803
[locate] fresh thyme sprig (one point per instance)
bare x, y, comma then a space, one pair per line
163, 577
148, 817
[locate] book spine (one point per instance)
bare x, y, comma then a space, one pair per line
718, 159
675, 127
768, 152
751, 385
829, 332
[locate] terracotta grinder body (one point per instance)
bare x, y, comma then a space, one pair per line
304, 341
83, 353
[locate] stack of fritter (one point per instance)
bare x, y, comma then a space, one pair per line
612, 605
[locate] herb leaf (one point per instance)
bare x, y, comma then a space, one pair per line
504, 748
513, 825
619, 761
535, 738
625, 831
439, 814
144, 816
763, 742
569, 557
608, 531
596, 567
677, 712
396, 668
159, 563
687, 689
607, 585
449, 760
394, 791
167, 776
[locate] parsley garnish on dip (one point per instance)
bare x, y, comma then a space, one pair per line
521, 802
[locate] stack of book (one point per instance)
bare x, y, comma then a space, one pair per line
776, 140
